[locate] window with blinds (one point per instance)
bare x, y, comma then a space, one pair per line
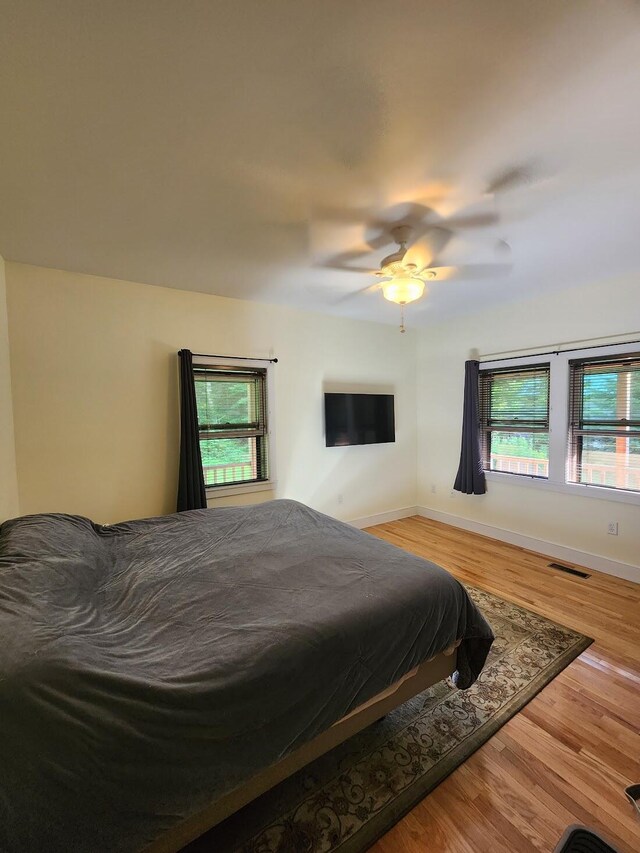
604, 422
514, 420
232, 420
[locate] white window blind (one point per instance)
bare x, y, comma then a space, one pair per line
232, 422
604, 422
514, 419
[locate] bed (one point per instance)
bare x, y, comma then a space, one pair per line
155, 675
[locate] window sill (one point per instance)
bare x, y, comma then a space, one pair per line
239, 489
576, 489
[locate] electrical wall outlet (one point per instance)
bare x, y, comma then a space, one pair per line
612, 528
433, 488
340, 499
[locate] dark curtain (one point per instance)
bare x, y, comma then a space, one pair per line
470, 478
191, 493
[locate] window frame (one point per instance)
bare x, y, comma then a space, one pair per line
229, 364
559, 424
488, 425
579, 427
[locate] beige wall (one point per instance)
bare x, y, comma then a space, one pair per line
95, 395
8, 480
95, 399
611, 308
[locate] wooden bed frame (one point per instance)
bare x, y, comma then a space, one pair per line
423, 676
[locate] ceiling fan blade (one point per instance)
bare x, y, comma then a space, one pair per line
372, 288
470, 271
441, 273
381, 240
343, 261
345, 267
427, 247
484, 271
419, 214
510, 178
474, 220
379, 232
502, 249
521, 176
436, 193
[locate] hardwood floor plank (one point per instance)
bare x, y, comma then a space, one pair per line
567, 756
587, 730
477, 824
573, 796
505, 795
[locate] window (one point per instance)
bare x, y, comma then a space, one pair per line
569, 421
514, 416
232, 420
604, 422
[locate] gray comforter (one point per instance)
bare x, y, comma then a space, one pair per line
149, 666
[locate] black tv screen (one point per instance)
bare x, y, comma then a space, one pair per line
358, 419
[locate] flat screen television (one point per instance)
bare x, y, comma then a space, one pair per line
358, 419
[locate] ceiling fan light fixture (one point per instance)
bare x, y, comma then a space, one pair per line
403, 289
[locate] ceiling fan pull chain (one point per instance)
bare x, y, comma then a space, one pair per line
402, 328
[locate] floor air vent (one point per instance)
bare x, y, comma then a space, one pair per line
568, 570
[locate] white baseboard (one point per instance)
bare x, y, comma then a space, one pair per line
541, 546
383, 517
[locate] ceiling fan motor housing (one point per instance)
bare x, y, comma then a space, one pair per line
402, 234
392, 264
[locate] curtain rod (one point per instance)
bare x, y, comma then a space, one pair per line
232, 357
498, 356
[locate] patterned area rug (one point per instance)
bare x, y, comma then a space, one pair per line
345, 800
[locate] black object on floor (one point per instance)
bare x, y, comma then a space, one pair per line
633, 794
578, 839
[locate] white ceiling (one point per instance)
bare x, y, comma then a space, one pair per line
239, 147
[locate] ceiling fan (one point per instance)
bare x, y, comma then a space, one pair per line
422, 235
404, 281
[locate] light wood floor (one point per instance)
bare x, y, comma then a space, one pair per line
568, 755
